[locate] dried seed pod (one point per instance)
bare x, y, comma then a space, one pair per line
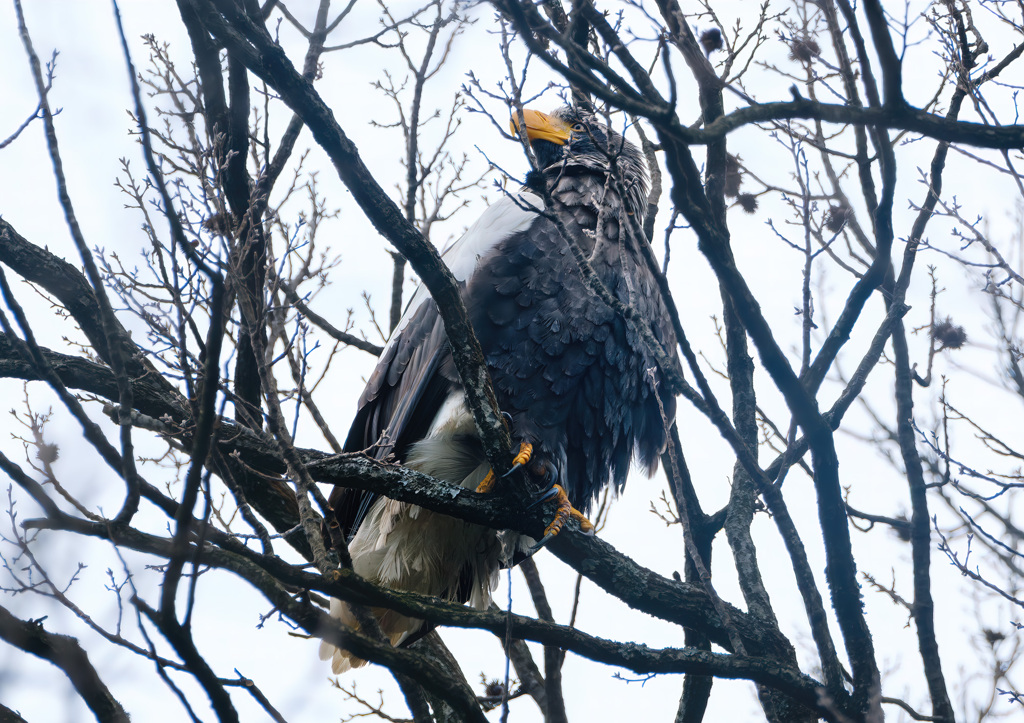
992, 636
948, 335
711, 40
836, 217
220, 223
47, 453
494, 689
804, 49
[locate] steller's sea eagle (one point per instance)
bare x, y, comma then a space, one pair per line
569, 371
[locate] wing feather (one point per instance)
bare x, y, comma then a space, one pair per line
565, 365
414, 375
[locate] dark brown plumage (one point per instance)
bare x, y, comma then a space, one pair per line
567, 368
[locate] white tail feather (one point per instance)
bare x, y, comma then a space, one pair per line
409, 548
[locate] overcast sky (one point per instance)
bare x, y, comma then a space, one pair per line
92, 90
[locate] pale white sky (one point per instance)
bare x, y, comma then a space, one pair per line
92, 89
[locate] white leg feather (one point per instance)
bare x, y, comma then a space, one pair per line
406, 547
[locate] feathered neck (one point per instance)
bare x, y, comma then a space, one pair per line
593, 148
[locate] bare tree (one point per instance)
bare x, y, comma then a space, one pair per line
804, 155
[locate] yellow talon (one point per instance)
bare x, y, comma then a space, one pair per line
487, 484
564, 513
586, 526
565, 509
525, 453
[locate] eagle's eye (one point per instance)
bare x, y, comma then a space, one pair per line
578, 127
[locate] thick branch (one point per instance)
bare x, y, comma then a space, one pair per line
270, 576
70, 287
637, 586
253, 46
66, 653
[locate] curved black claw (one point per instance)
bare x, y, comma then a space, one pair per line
565, 513
549, 483
512, 469
521, 459
543, 496
542, 543
524, 455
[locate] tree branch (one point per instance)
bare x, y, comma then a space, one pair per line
66, 653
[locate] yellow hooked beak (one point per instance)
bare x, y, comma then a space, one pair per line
540, 126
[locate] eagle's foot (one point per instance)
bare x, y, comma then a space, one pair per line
525, 453
565, 512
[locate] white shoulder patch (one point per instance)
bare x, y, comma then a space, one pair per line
504, 217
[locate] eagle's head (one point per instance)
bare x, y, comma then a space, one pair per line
570, 140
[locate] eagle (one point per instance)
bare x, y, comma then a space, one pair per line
572, 376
